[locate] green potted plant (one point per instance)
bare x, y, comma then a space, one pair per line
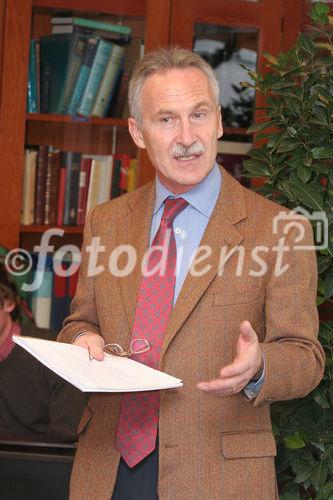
296, 163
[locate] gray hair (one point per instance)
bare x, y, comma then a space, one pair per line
162, 60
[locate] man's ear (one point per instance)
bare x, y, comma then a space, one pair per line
220, 126
136, 133
8, 306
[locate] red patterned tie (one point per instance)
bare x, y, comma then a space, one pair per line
138, 420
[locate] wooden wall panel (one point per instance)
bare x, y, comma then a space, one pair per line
12, 117
2, 34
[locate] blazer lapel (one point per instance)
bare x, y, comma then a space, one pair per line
220, 231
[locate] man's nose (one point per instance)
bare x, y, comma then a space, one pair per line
186, 134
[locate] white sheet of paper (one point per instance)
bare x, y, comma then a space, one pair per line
113, 374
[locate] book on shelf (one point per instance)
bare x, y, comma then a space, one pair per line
55, 53
72, 22
96, 74
32, 98
61, 194
83, 75
78, 46
67, 184
72, 162
84, 179
52, 185
40, 184
108, 82
64, 287
41, 298
29, 182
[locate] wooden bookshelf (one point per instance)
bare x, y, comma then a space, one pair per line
165, 22
36, 228
76, 120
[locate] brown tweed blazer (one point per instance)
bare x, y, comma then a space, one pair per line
210, 448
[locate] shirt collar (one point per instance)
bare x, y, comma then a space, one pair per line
202, 197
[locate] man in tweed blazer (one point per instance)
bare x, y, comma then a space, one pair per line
244, 322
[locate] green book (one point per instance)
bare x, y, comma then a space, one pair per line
78, 46
95, 77
54, 59
109, 80
100, 25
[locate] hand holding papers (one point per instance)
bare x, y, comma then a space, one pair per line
113, 374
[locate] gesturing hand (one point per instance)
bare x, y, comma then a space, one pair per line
246, 365
93, 342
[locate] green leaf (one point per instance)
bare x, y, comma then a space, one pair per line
319, 13
307, 195
322, 152
294, 442
320, 398
330, 392
330, 177
305, 43
304, 173
259, 126
323, 263
256, 168
328, 285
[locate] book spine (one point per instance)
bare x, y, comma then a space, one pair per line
99, 25
104, 191
98, 68
52, 186
115, 187
45, 89
28, 194
106, 89
32, 80
83, 75
61, 197
119, 98
59, 302
41, 298
73, 161
40, 184
132, 175
85, 169
124, 169
75, 61
37, 45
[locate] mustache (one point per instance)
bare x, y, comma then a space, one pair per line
195, 148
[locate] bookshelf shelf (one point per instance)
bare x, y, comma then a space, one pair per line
34, 228
55, 118
121, 7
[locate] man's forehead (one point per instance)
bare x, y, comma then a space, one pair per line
177, 84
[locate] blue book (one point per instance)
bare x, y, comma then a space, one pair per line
98, 68
32, 106
41, 297
78, 46
83, 75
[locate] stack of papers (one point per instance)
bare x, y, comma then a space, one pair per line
113, 374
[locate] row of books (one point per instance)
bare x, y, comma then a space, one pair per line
81, 71
49, 302
60, 187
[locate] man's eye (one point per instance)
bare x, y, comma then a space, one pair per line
199, 114
166, 119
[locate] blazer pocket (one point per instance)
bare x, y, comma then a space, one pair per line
85, 419
248, 444
236, 297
